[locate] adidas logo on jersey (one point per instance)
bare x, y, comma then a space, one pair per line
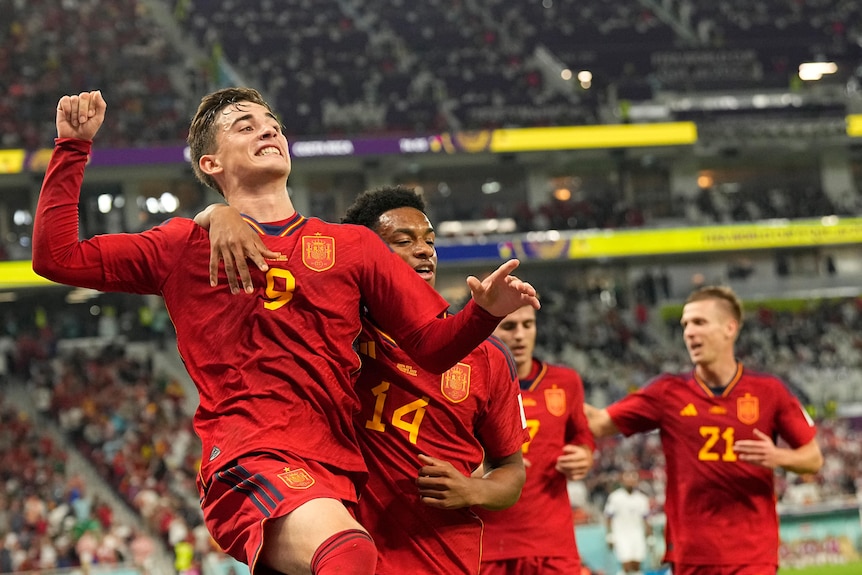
689, 410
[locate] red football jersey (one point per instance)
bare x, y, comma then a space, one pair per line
719, 510
274, 369
407, 411
540, 524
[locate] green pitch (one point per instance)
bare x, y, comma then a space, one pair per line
848, 569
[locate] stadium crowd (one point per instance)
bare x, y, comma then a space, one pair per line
49, 516
385, 66
48, 48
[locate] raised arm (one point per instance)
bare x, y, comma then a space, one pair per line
57, 253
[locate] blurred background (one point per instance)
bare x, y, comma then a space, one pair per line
626, 151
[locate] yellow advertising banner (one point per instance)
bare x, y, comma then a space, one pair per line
627, 243
579, 137
12, 161
20, 274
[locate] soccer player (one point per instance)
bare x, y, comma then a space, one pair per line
718, 424
274, 368
626, 512
537, 534
422, 435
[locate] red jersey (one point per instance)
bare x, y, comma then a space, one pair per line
274, 369
540, 524
720, 511
407, 411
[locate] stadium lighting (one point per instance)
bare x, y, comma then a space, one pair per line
811, 71
491, 187
22, 218
105, 203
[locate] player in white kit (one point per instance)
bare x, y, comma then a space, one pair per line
626, 512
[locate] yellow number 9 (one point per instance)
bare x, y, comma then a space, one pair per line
280, 285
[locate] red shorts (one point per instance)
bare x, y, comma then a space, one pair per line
756, 569
533, 566
258, 487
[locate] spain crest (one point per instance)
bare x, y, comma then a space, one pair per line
455, 383
748, 409
318, 252
555, 401
296, 478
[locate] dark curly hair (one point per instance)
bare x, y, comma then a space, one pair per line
371, 204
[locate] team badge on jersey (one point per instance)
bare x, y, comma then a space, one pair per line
455, 383
318, 252
748, 409
296, 478
555, 401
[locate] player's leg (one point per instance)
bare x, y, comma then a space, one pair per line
279, 513
318, 538
631, 552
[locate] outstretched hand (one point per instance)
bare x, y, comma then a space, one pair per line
81, 116
500, 293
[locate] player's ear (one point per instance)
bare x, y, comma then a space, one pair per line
209, 164
732, 328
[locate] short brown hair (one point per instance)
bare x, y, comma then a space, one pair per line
202, 134
723, 294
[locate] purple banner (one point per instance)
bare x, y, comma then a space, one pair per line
139, 156
445, 143
361, 147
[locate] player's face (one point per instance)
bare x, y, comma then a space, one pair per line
410, 235
708, 330
251, 146
518, 332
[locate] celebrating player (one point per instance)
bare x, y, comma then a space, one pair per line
718, 427
273, 367
422, 435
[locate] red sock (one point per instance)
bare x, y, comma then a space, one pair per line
350, 552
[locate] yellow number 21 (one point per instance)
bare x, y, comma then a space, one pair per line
712, 435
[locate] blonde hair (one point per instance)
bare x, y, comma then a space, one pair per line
722, 294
